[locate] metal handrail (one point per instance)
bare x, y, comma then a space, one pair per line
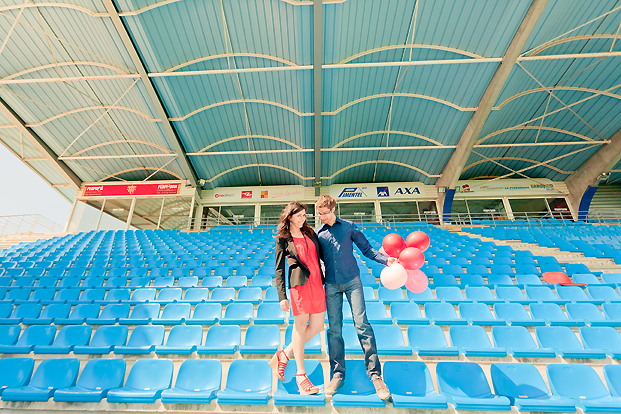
27, 223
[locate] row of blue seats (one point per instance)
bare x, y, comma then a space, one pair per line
249, 382
118, 269
598, 342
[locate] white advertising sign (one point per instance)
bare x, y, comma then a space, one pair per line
257, 194
377, 191
511, 187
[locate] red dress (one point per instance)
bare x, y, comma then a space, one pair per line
310, 297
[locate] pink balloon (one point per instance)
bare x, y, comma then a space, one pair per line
412, 258
417, 281
418, 239
382, 251
393, 244
394, 277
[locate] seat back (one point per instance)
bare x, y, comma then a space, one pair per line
170, 294
515, 337
388, 336
470, 336
15, 372
601, 337
426, 336
550, 311
462, 379
145, 311
37, 335
246, 375
356, 381
102, 374
110, 335
146, 335
176, 311
612, 375
27, 310
560, 337
152, 374
223, 335
518, 381
575, 381
199, 374
78, 335
510, 293
262, 335
440, 311
9, 334
408, 378
113, 311
571, 293
587, 311
239, 311
185, 335
479, 311
56, 373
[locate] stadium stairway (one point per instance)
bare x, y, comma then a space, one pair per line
178, 322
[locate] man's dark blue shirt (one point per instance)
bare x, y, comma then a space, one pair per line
338, 250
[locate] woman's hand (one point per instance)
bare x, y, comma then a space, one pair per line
284, 305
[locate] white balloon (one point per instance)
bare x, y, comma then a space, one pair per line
394, 277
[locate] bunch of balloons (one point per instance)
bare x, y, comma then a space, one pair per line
409, 253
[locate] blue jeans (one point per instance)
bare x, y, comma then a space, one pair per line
336, 345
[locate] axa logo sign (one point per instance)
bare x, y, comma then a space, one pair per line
407, 191
383, 192
353, 192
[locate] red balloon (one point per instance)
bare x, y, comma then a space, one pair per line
418, 239
412, 258
393, 244
417, 281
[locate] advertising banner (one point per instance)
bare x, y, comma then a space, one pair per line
130, 190
258, 194
521, 187
375, 191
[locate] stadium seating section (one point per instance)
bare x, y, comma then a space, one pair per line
166, 317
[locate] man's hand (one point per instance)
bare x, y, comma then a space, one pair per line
284, 305
391, 261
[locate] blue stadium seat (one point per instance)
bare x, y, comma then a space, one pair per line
465, 386
169, 295
612, 375
104, 340
602, 337
110, 314
261, 339
515, 314
32, 336
603, 294
173, 314
97, 378
565, 342
519, 342
222, 295
312, 347
588, 278
205, 314
187, 281
407, 314
236, 282
252, 295
442, 279
237, 314
543, 294
611, 278
262, 282
523, 385
25, 310
552, 314
389, 296
287, 392
198, 382
79, 314
142, 314
182, 340
429, 340
411, 386
450, 294
66, 339
212, 282
221, 340
390, 340
89, 296
357, 391
422, 297
481, 294
573, 294
479, 314
270, 313
116, 295
51, 375
500, 280
163, 281
581, 384
142, 295
15, 372
589, 314
195, 295
443, 314
143, 340
9, 334
512, 294
528, 279
145, 383
473, 341
249, 382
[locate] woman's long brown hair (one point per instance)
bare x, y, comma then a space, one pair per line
284, 222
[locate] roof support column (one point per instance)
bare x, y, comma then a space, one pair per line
155, 99
603, 160
456, 163
317, 85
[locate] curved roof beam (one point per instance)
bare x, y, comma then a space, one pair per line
557, 88
140, 169
569, 39
229, 55
58, 5
268, 137
561, 131
239, 167
409, 134
412, 46
138, 141
380, 162
93, 108
347, 105
54, 65
516, 159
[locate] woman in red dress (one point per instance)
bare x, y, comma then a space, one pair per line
297, 243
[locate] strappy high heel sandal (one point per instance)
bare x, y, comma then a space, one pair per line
306, 387
278, 365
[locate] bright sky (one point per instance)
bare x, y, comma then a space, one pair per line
24, 192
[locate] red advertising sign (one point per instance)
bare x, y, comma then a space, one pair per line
246, 194
102, 190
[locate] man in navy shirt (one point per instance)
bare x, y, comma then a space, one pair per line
343, 276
